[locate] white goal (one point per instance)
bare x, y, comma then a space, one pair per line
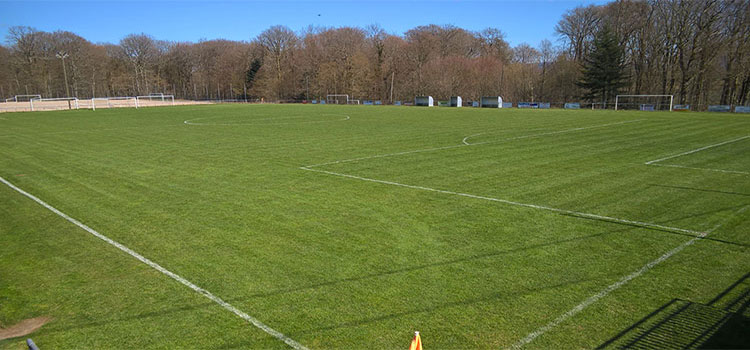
339, 99
644, 102
352, 102
157, 99
22, 98
48, 104
114, 102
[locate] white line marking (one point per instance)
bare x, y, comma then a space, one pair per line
557, 132
346, 117
596, 297
529, 338
467, 144
557, 210
706, 169
696, 150
465, 140
176, 277
534, 206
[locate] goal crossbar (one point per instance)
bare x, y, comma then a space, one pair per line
151, 97
15, 98
334, 97
671, 99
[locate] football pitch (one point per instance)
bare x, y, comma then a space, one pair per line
309, 226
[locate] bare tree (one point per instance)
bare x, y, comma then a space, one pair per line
279, 43
140, 50
546, 55
734, 58
578, 26
696, 50
493, 44
525, 54
25, 46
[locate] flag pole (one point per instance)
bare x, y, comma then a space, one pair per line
416, 343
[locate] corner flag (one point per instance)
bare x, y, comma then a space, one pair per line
416, 343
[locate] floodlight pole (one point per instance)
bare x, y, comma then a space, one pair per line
393, 75
62, 56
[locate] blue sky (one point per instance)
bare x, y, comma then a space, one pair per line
109, 21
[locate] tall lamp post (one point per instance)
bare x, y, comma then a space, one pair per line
63, 55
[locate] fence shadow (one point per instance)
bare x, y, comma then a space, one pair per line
722, 323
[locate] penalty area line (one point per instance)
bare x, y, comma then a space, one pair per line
255, 322
706, 169
696, 150
526, 205
606, 291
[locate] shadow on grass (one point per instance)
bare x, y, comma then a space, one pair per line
355, 323
485, 298
705, 213
435, 264
722, 323
188, 308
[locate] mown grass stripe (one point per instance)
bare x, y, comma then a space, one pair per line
612, 287
696, 150
527, 205
255, 322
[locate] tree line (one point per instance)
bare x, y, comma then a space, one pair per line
698, 51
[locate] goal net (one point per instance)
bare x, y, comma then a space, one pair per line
50, 104
644, 102
338, 99
114, 102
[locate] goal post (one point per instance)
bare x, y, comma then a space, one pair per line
644, 102
41, 104
154, 100
339, 99
114, 102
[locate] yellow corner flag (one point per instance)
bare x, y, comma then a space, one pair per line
416, 343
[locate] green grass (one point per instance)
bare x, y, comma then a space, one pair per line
338, 262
